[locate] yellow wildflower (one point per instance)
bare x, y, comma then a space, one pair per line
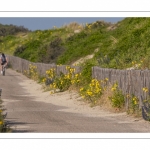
89, 93
113, 89
145, 89
78, 81
83, 96
106, 79
76, 75
81, 89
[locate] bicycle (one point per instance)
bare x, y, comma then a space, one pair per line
3, 70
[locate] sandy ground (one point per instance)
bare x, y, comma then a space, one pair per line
70, 99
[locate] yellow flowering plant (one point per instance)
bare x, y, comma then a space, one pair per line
117, 99
114, 87
3, 128
133, 104
64, 81
145, 89
50, 76
92, 91
32, 73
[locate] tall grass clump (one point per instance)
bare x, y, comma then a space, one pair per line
74, 26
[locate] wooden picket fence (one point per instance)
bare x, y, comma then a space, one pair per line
129, 81
21, 65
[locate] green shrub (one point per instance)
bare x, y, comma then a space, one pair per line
92, 91
19, 50
32, 73
49, 53
117, 99
87, 71
61, 81
133, 105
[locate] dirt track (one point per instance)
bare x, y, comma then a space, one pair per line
33, 111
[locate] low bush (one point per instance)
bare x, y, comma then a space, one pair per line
117, 99
92, 91
32, 73
4, 127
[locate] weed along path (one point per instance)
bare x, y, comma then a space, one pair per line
30, 109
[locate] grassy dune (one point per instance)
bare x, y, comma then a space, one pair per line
119, 45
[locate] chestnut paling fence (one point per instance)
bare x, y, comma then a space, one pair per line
21, 65
129, 81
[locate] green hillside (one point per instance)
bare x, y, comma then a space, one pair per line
121, 45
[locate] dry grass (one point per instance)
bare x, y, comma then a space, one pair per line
114, 40
112, 27
21, 34
105, 103
74, 26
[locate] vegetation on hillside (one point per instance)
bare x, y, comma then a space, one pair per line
119, 45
